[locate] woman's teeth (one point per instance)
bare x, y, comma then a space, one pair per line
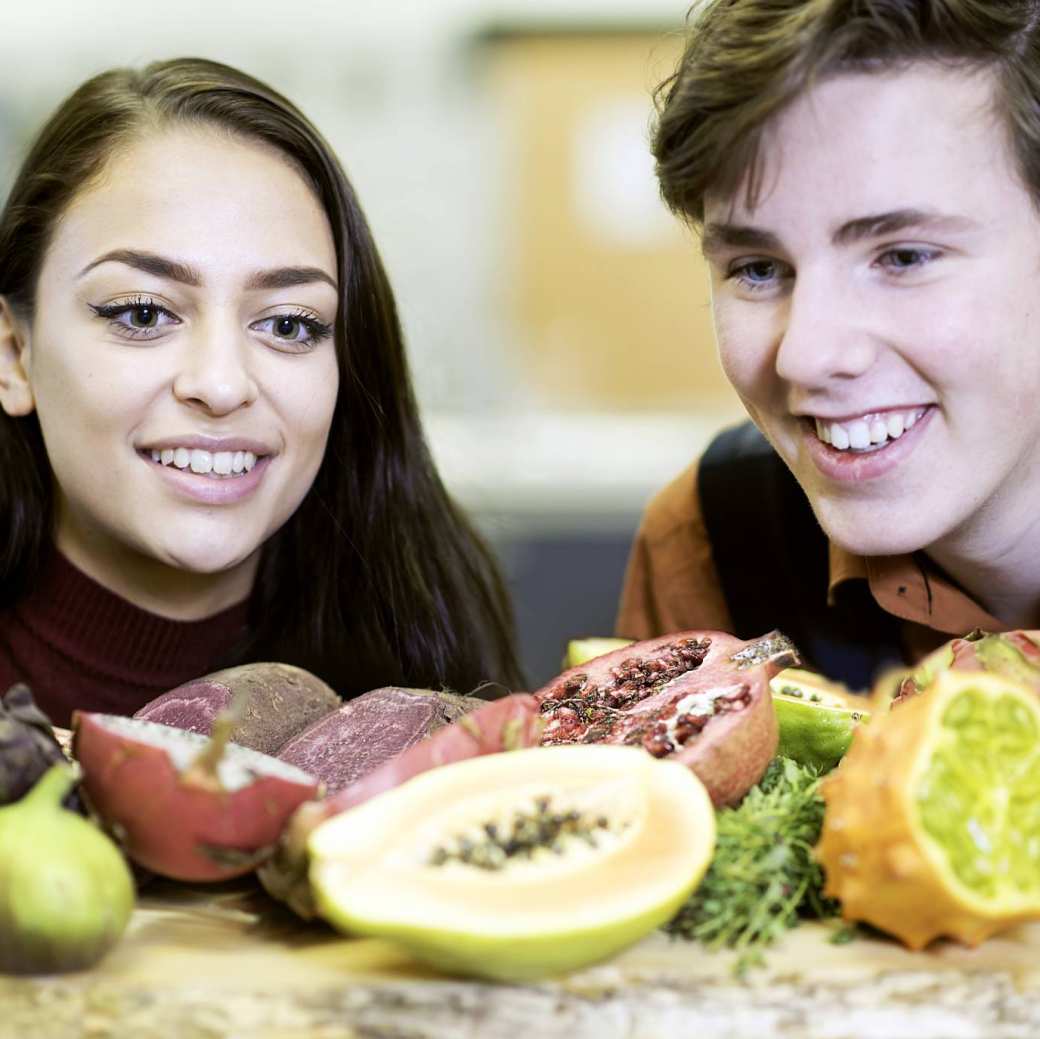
207, 463
869, 433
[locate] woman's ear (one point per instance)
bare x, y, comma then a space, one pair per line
16, 396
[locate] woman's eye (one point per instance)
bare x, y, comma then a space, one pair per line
297, 329
135, 319
143, 317
289, 327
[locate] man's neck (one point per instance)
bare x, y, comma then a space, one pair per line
1002, 573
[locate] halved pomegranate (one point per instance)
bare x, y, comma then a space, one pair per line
701, 697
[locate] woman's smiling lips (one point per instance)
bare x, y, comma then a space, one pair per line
874, 454
209, 470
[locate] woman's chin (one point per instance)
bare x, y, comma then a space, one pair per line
206, 560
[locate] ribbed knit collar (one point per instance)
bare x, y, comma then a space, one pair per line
108, 636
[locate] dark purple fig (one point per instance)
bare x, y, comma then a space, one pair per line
28, 746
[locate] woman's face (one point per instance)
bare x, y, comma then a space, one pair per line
181, 356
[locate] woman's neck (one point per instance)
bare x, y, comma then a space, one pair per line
155, 586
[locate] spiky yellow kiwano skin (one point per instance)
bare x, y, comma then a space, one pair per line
881, 859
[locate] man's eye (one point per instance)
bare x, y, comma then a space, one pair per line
760, 270
906, 258
757, 273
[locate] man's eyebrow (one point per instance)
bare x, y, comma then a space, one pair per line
900, 220
150, 263
163, 267
717, 237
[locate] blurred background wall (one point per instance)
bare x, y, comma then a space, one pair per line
557, 316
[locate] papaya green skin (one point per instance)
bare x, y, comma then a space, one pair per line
510, 958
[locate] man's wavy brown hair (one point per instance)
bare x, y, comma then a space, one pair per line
745, 60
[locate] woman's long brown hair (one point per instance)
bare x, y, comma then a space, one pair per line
378, 578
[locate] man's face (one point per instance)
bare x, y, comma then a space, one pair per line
878, 311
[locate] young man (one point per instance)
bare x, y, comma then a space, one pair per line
865, 179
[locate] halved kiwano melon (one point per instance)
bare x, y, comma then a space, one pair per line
816, 717
515, 866
932, 821
1013, 654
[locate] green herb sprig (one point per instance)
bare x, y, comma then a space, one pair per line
763, 876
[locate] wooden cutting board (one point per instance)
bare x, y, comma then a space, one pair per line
228, 962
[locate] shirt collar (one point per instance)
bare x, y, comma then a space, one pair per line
912, 588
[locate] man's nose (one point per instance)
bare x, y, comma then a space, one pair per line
826, 333
215, 373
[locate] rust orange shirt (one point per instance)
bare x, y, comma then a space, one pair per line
671, 583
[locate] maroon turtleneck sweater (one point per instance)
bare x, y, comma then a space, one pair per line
79, 646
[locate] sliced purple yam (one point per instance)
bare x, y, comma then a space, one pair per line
281, 701
370, 729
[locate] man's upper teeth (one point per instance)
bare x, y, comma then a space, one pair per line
223, 463
872, 430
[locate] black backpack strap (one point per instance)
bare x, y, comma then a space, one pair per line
773, 562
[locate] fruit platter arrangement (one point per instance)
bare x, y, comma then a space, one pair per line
689, 835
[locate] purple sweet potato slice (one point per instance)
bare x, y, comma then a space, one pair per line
372, 728
281, 700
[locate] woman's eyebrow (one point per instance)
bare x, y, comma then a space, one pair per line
164, 267
150, 263
287, 277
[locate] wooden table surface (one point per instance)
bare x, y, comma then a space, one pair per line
209, 963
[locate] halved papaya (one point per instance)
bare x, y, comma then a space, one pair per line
516, 866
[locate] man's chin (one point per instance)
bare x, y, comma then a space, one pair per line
873, 537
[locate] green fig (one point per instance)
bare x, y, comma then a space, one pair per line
66, 893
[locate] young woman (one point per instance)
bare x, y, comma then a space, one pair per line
210, 451
866, 183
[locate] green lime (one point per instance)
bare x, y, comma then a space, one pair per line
580, 651
816, 717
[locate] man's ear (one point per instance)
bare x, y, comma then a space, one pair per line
16, 396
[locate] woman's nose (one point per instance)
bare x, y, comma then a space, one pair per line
214, 372
826, 334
